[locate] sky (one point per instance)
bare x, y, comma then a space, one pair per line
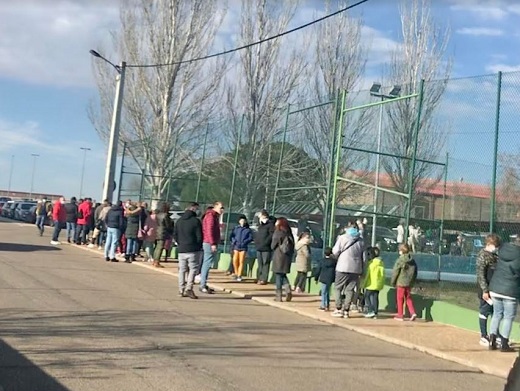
46, 81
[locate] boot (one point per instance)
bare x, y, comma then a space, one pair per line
288, 294
127, 259
505, 346
493, 342
133, 258
278, 296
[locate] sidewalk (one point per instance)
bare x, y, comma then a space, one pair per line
439, 340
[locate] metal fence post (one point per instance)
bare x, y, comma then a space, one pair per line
493, 205
414, 158
120, 184
443, 209
280, 159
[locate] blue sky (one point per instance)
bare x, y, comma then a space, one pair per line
46, 79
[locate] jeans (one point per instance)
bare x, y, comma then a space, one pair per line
81, 233
372, 301
188, 264
264, 261
345, 284
504, 312
131, 246
101, 238
325, 295
300, 280
207, 262
404, 293
111, 242
282, 281
57, 230
148, 249
485, 310
40, 223
71, 230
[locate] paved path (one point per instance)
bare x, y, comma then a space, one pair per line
71, 321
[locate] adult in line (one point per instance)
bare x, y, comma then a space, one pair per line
164, 231
187, 233
59, 216
282, 245
71, 209
84, 212
505, 292
143, 215
263, 240
43, 212
114, 221
211, 239
349, 251
133, 218
98, 225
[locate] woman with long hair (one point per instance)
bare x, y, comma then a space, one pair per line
282, 245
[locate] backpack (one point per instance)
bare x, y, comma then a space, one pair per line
286, 247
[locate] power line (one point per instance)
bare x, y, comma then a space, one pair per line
250, 44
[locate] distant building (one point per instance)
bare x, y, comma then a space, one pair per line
26, 195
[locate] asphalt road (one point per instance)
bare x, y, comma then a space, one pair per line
70, 321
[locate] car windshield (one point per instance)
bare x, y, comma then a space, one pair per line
25, 206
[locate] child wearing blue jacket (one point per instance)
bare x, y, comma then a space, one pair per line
240, 239
325, 274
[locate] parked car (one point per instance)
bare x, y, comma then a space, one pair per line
6, 208
12, 208
22, 210
2, 203
386, 239
5, 199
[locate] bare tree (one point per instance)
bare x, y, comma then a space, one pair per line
338, 63
164, 107
268, 75
421, 55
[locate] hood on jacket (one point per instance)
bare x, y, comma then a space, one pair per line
188, 214
509, 252
301, 243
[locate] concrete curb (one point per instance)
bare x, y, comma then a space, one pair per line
338, 322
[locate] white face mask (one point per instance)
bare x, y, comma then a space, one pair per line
264, 220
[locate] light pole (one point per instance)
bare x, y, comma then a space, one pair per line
108, 185
10, 175
35, 156
83, 169
375, 91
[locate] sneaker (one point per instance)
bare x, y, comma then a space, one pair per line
90, 245
337, 314
181, 293
297, 290
239, 279
55, 243
413, 317
370, 315
197, 279
114, 260
398, 318
189, 293
100, 248
107, 259
322, 309
206, 290
484, 341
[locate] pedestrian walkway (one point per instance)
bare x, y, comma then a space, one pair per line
440, 340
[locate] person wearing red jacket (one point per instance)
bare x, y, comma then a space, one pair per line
59, 217
210, 241
84, 215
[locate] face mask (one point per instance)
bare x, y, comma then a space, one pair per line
263, 220
62, 201
351, 231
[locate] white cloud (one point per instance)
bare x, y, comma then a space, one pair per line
480, 31
502, 67
483, 10
47, 42
380, 45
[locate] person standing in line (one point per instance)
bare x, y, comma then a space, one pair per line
165, 229
150, 235
84, 213
263, 239
133, 218
240, 239
487, 259
187, 233
374, 281
101, 226
43, 208
324, 274
59, 216
303, 261
143, 215
71, 208
114, 221
211, 239
504, 290
400, 232
404, 275
282, 245
349, 250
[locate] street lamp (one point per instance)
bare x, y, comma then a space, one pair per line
83, 169
10, 175
35, 156
375, 91
109, 184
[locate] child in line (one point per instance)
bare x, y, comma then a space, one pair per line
325, 274
303, 261
240, 239
374, 281
404, 275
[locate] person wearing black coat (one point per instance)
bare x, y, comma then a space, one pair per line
504, 290
71, 209
282, 245
133, 218
114, 221
325, 273
263, 239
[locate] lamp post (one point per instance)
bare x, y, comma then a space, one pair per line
108, 185
10, 175
35, 156
83, 169
375, 91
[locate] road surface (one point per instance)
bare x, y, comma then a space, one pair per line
71, 321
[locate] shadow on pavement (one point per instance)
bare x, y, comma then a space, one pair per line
23, 248
17, 373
